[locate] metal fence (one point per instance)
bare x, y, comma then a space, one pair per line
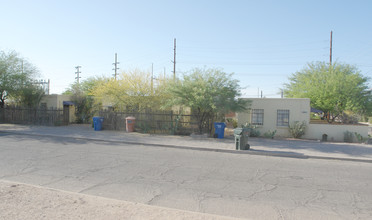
162, 122
47, 117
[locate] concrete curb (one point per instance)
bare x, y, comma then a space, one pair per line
256, 153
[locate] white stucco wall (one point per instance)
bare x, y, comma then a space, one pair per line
334, 132
299, 110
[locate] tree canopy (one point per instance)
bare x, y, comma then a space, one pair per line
331, 88
209, 93
16, 77
133, 90
81, 95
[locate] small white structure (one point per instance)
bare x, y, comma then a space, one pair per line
55, 101
270, 114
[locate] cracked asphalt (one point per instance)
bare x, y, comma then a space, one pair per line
235, 185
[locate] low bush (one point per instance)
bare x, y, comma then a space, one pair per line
253, 130
270, 134
348, 137
360, 138
297, 129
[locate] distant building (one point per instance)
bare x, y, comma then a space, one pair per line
270, 114
275, 114
64, 102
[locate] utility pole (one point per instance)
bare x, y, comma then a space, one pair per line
45, 85
174, 60
330, 50
77, 74
48, 87
152, 78
116, 65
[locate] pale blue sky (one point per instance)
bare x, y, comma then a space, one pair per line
262, 42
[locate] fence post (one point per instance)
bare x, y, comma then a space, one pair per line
171, 113
2, 114
66, 115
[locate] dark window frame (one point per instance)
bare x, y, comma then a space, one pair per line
282, 118
257, 116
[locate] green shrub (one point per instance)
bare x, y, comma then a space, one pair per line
297, 129
233, 122
253, 131
348, 137
315, 116
269, 134
360, 138
349, 118
145, 127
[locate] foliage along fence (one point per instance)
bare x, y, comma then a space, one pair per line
47, 117
163, 122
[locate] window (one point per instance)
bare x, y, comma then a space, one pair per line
257, 116
282, 118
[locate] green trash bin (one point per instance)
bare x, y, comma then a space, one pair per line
241, 138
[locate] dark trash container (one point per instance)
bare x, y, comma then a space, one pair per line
241, 138
324, 137
219, 129
97, 123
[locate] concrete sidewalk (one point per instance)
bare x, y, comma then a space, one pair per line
259, 146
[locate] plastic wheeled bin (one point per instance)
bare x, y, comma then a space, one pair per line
241, 138
219, 129
130, 122
97, 123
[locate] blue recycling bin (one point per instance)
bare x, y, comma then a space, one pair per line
97, 122
219, 129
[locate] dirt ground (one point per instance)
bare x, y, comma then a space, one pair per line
22, 201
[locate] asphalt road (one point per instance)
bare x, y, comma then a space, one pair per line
237, 185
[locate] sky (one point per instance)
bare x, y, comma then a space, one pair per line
262, 42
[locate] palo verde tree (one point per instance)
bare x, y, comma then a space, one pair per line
331, 88
16, 80
81, 96
132, 91
210, 93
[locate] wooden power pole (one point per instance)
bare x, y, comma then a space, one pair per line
174, 60
330, 50
116, 65
78, 74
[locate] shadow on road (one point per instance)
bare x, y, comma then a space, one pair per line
359, 150
55, 139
